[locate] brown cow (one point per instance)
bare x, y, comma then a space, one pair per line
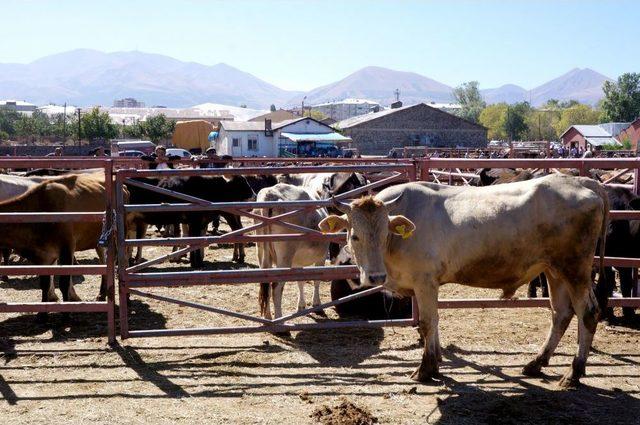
46, 243
496, 237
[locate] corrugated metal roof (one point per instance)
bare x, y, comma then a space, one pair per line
316, 137
360, 119
601, 141
242, 125
614, 128
592, 131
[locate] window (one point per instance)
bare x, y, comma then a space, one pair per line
235, 142
252, 143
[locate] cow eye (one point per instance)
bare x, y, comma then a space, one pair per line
354, 238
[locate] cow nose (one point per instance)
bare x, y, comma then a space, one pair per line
378, 278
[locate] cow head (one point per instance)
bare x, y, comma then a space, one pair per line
368, 226
238, 188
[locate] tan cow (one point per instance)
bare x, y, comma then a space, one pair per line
490, 237
46, 243
288, 253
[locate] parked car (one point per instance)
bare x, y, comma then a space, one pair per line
182, 153
131, 153
145, 146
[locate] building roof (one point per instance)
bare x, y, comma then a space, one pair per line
361, 119
614, 128
601, 141
350, 101
275, 116
591, 131
242, 125
16, 102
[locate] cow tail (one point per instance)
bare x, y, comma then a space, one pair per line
263, 295
601, 291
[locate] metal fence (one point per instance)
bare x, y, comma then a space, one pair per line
106, 270
136, 281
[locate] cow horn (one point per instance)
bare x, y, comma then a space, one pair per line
343, 208
392, 203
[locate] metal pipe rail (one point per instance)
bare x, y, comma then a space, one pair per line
107, 270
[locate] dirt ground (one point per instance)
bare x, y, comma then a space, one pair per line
66, 372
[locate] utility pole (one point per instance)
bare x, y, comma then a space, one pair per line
78, 111
302, 110
64, 124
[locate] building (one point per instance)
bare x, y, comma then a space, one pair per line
347, 108
631, 134
415, 125
300, 136
590, 137
276, 116
127, 102
18, 106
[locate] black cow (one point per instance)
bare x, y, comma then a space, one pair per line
210, 188
378, 306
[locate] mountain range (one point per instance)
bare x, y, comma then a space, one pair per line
88, 77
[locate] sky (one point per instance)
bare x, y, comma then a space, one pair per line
299, 45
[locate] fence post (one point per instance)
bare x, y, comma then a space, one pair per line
635, 291
424, 169
110, 251
122, 258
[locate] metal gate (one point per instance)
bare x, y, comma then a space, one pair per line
134, 281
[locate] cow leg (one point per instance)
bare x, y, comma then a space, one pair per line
102, 293
238, 248
302, 303
586, 308
316, 293
276, 294
561, 315
427, 297
65, 283
544, 285
626, 286
532, 288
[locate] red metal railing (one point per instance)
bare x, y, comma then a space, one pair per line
106, 270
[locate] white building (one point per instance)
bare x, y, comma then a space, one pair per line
18, 106
347, 108
264, 139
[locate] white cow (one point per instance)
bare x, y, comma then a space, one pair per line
491, 237
288, 253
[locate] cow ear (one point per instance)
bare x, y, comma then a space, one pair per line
401, 225
333, 223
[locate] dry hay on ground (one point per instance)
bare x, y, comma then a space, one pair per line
65, 372
345, 413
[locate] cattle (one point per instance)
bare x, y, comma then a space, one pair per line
414, 237
379, 306
623, 240
325, 185
46, 243
288, 253
210, 188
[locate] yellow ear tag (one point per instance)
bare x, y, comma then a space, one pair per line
402, 231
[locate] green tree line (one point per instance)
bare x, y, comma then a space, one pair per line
94, 124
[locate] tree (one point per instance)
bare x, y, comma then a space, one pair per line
469, 97
98, 125
542, 124
317, 115
272, 108
493, 117
8, 121
622, 99
515, 124
158, 127
133, 131
576, 115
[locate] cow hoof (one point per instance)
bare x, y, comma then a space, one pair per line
424, 376
75, 298
533, 368
52, 298
42, 317
101, 298
569, 381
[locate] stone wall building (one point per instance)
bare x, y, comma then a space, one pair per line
416, 125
